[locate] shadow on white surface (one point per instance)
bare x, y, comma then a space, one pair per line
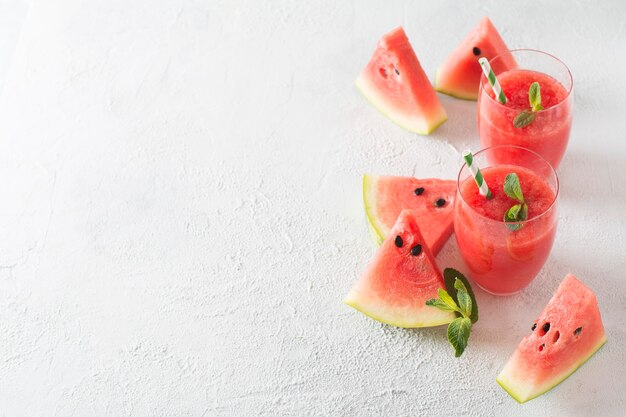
461, 128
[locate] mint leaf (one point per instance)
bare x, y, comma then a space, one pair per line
512, 214
459, 329
515, 214
445, 297
464, 300
450, 276
518, 212
534, 96
435, 302
523, 213
526, 117
512, 187
513, 226
523, 119
458, 334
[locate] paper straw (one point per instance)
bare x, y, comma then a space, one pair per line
483, 189
493, 81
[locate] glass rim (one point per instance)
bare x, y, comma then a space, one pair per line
513, 51
539, 216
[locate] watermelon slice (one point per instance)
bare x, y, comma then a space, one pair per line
399, 280
431, 199
395, 83
567, 333
459, 75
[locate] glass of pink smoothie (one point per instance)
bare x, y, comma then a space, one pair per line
549, 133
500, 260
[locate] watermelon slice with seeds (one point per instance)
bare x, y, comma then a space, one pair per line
395, 83
459, 75
399, 280
567, 333
431, 199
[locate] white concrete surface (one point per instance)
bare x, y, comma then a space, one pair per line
181, 211
12, 13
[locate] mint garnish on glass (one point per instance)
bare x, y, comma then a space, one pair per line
518, 212
463, 302
526, 117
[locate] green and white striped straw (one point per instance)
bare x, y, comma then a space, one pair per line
493, 81
483, 189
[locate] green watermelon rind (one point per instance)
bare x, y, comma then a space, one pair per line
368, 93
439, 89
378, 239
508, 384
442, 317
369, 200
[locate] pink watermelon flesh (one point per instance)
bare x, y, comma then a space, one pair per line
399, 280
395, 83
459, 75
567, 333
386, 196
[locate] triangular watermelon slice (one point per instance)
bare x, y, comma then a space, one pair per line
399, 280
459, 75
395, 83
567, 333
431, 199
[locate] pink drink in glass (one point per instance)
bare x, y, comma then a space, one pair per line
504, 261
548, 134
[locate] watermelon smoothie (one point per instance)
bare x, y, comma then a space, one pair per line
548, 134
500, 260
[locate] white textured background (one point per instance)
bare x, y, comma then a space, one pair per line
12, 13
181, 211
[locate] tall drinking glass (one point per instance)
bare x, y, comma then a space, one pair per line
504, 257
548, 134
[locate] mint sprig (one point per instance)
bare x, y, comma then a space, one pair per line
517, 212
450, 275
512, 187
523, 119
465, 302
526, 117
458, 334
534, 96
459, 329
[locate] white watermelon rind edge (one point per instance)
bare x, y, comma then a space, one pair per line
414, 124
369, 198
443, 90
435, 317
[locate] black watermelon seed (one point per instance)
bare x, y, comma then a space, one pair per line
440, 203
534, 327
397, 72
577, 331
476, 50
399, 241
416, 250
419, 191
546, 327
